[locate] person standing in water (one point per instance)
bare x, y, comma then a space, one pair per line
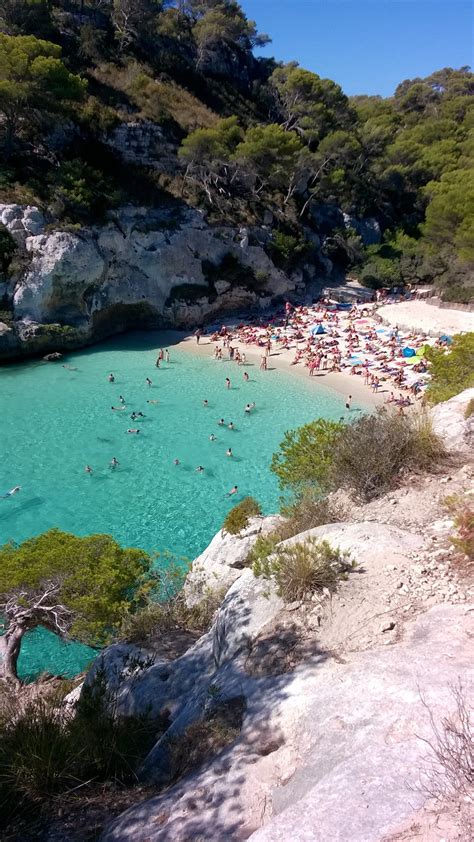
114, 463
229, 452
175, 461
122, 399
205, 402
111, 378
246, 377
227, 383
88, 469
348, 402
167, 355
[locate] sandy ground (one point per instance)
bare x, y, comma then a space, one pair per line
426, 317
280, 360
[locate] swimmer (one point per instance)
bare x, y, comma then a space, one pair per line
70, 367
88, 469
133, 416
212, 437
221, 422
133, 430
246, 377
152, 401
205, 403
199, 469
248, 408
232, 491
227, 383
111, 378
148, 381
12, 491
114, 463
118, 408
230, 426
121, 399
140, 415
229, 452
176, 462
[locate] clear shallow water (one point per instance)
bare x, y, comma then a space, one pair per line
54, 421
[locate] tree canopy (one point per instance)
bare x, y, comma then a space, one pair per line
81, 588
306, 455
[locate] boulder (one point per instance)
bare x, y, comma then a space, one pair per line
450, 424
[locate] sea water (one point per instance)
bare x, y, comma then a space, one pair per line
54, 421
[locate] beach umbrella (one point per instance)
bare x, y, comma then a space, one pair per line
408, 352
316, 331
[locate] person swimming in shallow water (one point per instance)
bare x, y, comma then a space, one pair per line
212, 437
230, 425
88, 469
111, 378
118, 408
176, 462
221, 422
232, 491
229, 452
133, 431
199, 469
114, 462
12, 491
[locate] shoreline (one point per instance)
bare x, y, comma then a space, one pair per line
280, 360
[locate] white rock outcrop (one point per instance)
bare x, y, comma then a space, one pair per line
451, 425
142, 268
222, 561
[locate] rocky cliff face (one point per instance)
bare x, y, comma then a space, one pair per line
144, 268
335, 692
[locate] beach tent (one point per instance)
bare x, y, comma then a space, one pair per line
409, 352
447, 339
316, 331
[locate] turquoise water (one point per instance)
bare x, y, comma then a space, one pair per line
54, 421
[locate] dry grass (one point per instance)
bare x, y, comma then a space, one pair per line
302, 569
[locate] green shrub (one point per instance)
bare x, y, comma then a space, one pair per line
305, 512
238, 517
451, 370
458, 293
306, 455
372, 451
172, 615
469, 409
45, 750
301, 569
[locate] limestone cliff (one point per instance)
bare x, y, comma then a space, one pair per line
335, 693
143, 268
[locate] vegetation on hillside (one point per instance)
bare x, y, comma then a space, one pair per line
452, 368
79, 588
248, 134
367, 456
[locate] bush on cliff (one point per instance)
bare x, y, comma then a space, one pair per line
452, 369
46, 749
367, 455
372, 452
238, 517
306, 455
301, 569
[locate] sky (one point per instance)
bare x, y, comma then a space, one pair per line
367, 46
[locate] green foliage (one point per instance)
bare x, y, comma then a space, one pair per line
310, 105
238, 517
271, 153
304, 568
82, 192
306, 455
99, 581
214, 144
7, 248
33, 79
372, 452
450, 213
451, 369
46, 751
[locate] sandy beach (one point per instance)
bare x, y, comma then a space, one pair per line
416, 320
280, 360
419, 315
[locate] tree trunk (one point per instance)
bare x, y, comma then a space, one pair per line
10, 644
